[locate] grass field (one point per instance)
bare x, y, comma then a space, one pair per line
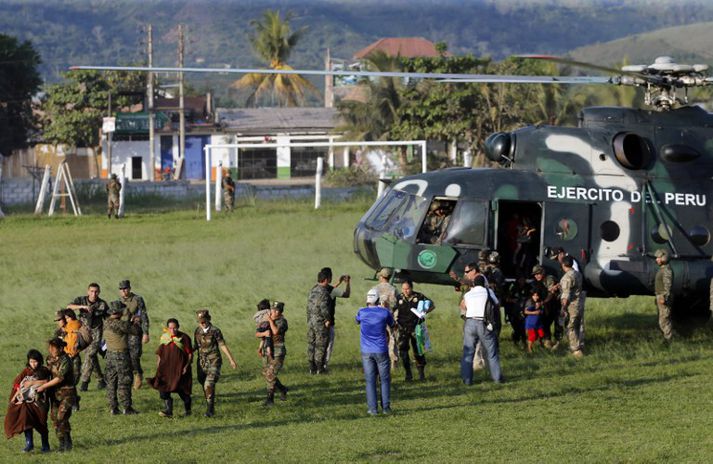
631, 399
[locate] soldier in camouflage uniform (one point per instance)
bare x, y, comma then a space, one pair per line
228, 186
67, 329
318, 323
92, 311
135, 307
664, 297
571, 288
208, 342
271, 364
61, 392
547, 285
118, 362
112, 189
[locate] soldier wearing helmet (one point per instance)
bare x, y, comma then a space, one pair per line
436, 223
662, 288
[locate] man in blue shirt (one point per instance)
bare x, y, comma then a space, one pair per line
374, 320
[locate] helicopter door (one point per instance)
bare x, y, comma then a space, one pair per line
566, 225
518, 237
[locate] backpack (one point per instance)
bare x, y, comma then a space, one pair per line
491, 315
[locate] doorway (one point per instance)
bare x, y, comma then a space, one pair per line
519, 236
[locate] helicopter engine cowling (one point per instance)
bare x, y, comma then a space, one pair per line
632, 150
500, 146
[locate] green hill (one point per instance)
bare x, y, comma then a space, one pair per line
685, 44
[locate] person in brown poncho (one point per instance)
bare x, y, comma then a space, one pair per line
173, 370
28, 409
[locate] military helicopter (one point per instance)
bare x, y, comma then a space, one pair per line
609, 192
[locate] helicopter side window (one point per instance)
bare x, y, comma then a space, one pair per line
379, 218
406, 218
468, 224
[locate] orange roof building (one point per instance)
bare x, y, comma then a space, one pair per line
407, 47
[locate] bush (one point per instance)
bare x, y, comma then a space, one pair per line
349, 177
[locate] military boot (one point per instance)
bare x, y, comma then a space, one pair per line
270, 400
84, 386
138, 380
167, 408
421, 372
187, 405
45, 442
29, 441
101, 385
283, 390
75, 406
60, 437
312, 368
407, 365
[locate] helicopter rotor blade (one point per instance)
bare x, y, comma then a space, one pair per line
505, 79
582, 64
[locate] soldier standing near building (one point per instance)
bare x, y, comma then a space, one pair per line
334, 293
112, 190
92, 311
407, 321
228, 186
118, 361
135, 307
271, 364
318, 323
571, 288
208, 342
62, 392
664, 297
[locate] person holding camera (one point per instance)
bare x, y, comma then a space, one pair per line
334, 292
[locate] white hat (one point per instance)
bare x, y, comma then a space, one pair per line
372, 296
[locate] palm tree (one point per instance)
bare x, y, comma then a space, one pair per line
273, 41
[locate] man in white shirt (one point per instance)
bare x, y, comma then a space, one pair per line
478, 329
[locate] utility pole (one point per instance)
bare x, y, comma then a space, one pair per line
152, 151
328, 83
181, 112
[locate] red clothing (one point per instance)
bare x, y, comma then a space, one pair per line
27, 416
173, 360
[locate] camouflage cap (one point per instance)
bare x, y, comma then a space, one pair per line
434, 205
113, 176
494, 257
124, 284
203, 315
661, 253
59, 315
483, 254
278, 305
537, 269
385, 272
115, 307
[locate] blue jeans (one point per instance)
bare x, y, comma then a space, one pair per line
473, 331
377, 364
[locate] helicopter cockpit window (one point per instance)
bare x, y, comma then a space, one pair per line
437, 221
398, 212
566, 229
468, 224
405, 220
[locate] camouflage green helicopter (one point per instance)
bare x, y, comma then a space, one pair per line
609, 192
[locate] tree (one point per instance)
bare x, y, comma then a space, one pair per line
273, 42
73, 110
19, 81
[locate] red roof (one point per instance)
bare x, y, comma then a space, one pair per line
407, 47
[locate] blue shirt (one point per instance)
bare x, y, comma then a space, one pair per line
373, 321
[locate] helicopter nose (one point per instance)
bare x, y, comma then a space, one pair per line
364, 246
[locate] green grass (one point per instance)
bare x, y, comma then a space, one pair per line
631, 399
